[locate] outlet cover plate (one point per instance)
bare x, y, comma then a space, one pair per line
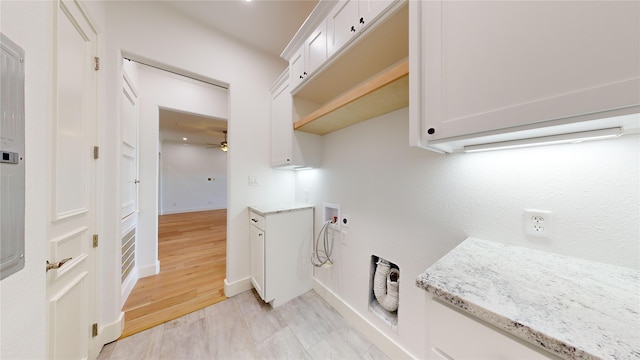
538, 223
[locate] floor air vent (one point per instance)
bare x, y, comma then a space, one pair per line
128, 253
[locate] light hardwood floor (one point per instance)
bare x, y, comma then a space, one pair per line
192, 254
244, 327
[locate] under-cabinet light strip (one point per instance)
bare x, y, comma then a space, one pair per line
548, 140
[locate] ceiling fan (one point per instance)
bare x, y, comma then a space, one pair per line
224, 146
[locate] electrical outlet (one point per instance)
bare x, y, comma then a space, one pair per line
254, 180
538, 223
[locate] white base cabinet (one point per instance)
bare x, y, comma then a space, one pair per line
281, 243
455, 336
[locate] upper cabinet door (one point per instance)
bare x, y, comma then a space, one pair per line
296, 66
490, 65
342, 24
310, 56
315, 48
368, 10
281, 123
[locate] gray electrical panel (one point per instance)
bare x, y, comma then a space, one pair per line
11, 158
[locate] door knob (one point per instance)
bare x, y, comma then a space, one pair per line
56, 265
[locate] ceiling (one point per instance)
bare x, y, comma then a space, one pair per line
268, 25
198, 129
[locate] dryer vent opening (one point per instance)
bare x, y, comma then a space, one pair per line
384, 294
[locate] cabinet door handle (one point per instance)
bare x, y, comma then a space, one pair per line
301, 77
254, 220
304, 73
361, 20
260, 234
353, 29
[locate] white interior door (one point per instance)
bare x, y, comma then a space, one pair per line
129, 148
128, 185
71, 291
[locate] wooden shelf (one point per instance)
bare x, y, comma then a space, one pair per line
383, 93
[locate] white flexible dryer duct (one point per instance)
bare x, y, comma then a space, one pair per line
385, 285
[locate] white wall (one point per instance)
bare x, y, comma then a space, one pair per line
411, 206
185, 174
22, 295
148, 30
175, 92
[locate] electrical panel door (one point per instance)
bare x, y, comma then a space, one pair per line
11, 158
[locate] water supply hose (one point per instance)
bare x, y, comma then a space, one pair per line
322, 257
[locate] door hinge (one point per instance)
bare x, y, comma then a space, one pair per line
96, 152
95, 240
97, 63
94, 330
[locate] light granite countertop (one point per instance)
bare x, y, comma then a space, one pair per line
278, 208
574, 308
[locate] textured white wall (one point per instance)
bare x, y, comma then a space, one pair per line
411, 206
22, 295
184, 178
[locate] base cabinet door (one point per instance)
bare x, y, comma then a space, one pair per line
257, 260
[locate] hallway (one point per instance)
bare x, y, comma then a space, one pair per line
192, 255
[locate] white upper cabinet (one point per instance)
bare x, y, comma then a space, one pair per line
290, 149
310, 56
349, 17
281, 128
484, 68
338, 79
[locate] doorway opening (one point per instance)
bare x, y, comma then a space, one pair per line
181, 251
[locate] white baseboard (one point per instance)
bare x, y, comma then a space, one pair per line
149, 270
237, 287
107, 333
388, 346
128, 284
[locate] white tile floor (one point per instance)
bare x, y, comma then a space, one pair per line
244, 327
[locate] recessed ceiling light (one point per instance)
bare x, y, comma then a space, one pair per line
185, 139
